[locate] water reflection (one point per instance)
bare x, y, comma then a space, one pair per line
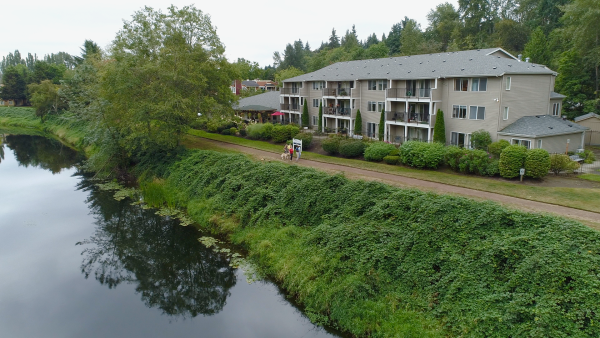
172, 270
38, 151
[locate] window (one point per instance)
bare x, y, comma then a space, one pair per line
505, 115
372, 85
508, 83
371, 129
301, 101
372, 106
232, 90
479, 84
380, 106
476, 113
315, 120
556, 109
457, 139
461, 85
318, 85
315, 102
539, 144
381, 85
459, 112
520, 142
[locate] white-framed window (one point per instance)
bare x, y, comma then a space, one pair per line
479, 84
539, 144
372, 106
508, 80
505, 115
372, 129
476, 113
372, 85
315, 102
459, 112
458, 139
526, 143
556, 109
380, 106
461, 85
318, 85
232, 90
315, 120
381, 84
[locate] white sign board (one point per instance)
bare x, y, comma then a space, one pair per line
522, 172
297, 143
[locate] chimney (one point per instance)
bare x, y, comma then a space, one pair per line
526, 59
520, 56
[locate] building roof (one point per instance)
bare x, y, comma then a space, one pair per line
261, 102
586, 116
541, 126
555, 95
480, 62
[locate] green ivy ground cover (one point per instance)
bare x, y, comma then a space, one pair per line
382, 261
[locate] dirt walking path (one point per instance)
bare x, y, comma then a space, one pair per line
355, 173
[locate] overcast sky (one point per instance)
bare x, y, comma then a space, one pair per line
249, 29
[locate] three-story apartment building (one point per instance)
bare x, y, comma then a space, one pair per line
487, 89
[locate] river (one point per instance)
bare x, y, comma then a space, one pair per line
74, 262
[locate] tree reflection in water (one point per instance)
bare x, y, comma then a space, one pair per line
172, 270
38, 151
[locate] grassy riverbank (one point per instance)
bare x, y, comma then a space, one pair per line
381, 261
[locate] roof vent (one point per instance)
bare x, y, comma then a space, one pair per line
510, 65
433, 71
421, 62
409, 71
519, 57
570, 125
470, 59
537, 116
494, 67
444, 61
550, 127
462, 69
527, 59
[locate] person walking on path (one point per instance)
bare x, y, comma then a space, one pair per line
291, 153
298, 151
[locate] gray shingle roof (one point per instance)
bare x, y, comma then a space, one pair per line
586, 116
555, 95
468, 63
265, 101
541, 126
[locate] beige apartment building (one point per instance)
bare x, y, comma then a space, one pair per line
487, 89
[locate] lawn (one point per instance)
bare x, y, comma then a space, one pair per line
579, 198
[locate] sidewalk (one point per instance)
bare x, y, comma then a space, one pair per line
355, 173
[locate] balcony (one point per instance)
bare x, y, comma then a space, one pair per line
337, 111
290, 91
409, 93
404, 117
289, 107
336, 92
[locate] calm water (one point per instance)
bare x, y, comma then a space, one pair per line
76, 263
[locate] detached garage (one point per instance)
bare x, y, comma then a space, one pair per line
545, 132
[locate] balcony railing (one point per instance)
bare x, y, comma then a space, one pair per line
290, 91
403, 93
336, 91
289, 107
405, 117
337, 111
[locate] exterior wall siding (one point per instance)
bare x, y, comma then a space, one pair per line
528, 95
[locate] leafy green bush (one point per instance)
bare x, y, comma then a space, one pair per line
260, 131
452, 156
292, 130
493, 167
306, 140
233, 130
588, 156
280, 134
331, 145
562, 162
481, 139
226, 132
395, 152
495, 148
376, 151
512, 160
537, 163
422, 154
390, 159
475, 162
243, 132
225, 125
351, 148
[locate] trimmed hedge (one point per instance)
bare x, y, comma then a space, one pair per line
537, 163
512, 160
260, 131
495, 148
376, 151
478, 162
453, 155
306, 139
391, 159
351, 148
422, 154
331, 145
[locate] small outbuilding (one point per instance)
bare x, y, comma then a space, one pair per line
591, 121
259, 107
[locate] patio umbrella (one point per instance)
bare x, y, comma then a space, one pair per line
277, 113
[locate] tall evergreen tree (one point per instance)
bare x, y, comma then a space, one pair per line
14, 79
305, 114
358, 123
537, 47
439, 130
393, 39
381, 125
320, 123
334, 40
